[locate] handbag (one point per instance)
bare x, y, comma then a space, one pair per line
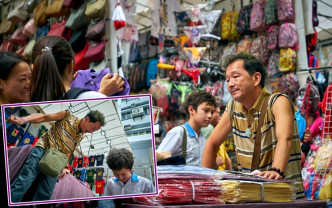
28, 49
95, 9
80, 62
6, 26
53, 162
6, 46
42, 31
30, 28
77, 40
59, 29
73, 4
77, 18
55, 8
39, 13
18, 37
96, 51
18, 14
96, 31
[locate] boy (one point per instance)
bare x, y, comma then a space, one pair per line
125, 181
199, 106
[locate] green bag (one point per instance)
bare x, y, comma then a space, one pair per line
53, 162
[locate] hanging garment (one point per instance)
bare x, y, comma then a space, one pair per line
100, 159
99, 174
183, 89
90, 79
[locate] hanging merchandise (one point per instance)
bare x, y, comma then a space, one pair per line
95, 51
6, 26
100, 186
77, 18
257, 16
273, 65
285, 10
287, 61
18, 38
73, 4
100, 160
7, 46
55, 8
194, 54
243, 22
311, 41
28, 49
209, 19
244, 45
182, 18
118, 18
273, 35
30, 28
315, 20
271, 12
228, 25
18, 14
259, 47
287, 83
194, 11
77, 40
59, 29
288, 36
95, 9
230, 49
194, 33
80, 62
96, 30
14, 132
27, 139
99, 174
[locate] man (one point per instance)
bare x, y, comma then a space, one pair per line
125, 181
223, 162
280, 146
64, 134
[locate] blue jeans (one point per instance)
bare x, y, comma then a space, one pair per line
28, 175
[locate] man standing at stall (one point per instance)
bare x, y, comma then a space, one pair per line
65, 134
279, 153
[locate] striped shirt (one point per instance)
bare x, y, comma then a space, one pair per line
63, 134
243, 120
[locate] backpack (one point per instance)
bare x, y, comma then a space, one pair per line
244, 45
273, 32
311, 42
287, 60
273, 65
271, 12
243, 22
285, 10
228, 25
73, 93
259, 47
230, 49
288, 36
257, 17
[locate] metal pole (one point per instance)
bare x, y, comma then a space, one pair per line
111, 45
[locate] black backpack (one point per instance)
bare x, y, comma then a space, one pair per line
73, 93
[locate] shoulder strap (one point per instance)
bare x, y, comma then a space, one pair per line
257, 147
74, 93
230, 112
184, 142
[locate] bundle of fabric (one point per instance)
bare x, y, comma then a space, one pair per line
185, 185
239, 191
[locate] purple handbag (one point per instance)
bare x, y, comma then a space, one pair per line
96, 31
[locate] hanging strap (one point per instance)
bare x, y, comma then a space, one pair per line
257, 147
184, 142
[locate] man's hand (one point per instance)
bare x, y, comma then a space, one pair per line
307, 138
219, 161
15, 119
63, 174
269, 174
110, 86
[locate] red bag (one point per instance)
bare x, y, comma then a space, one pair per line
18, 37
60, 29
119, 19
80, 62
96, 51
20, 50
73, 4
6, 46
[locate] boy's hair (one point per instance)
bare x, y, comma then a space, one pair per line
198, 97
95, 116
118, 159
251, 63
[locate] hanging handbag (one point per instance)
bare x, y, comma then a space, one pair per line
6, 46
95, 9
77, 40
80, 62
42, 31
59, 29
73, 4
55, 8
28, 49
30, 5
96, 51
30, 28
18, 37
6, 26
20, 50
18, 14
96, 30
39, 13
77, 18
53, 162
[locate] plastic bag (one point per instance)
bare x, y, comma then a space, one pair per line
119, 19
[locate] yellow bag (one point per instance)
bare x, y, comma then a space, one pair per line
39, 13
95, 9
228, 25
55, 8
287, 60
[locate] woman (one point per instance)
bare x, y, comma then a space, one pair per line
53, 69
14, 78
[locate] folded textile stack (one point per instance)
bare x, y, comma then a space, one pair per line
185, 185
238, 191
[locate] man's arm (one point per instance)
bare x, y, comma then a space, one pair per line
217, 137
228, 162
37, 118
284, 118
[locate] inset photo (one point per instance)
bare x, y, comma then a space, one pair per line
78, 150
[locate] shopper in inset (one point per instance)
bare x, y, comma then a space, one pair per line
199, 106
280, 145
125, 181
65, 134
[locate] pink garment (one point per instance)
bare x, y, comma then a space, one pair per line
69, 187
316, 126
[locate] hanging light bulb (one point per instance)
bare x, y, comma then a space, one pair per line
108, 141
102, 132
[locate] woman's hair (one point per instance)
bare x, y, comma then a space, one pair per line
50, 56
8, 60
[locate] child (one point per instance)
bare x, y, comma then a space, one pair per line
125, 181
199, 106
